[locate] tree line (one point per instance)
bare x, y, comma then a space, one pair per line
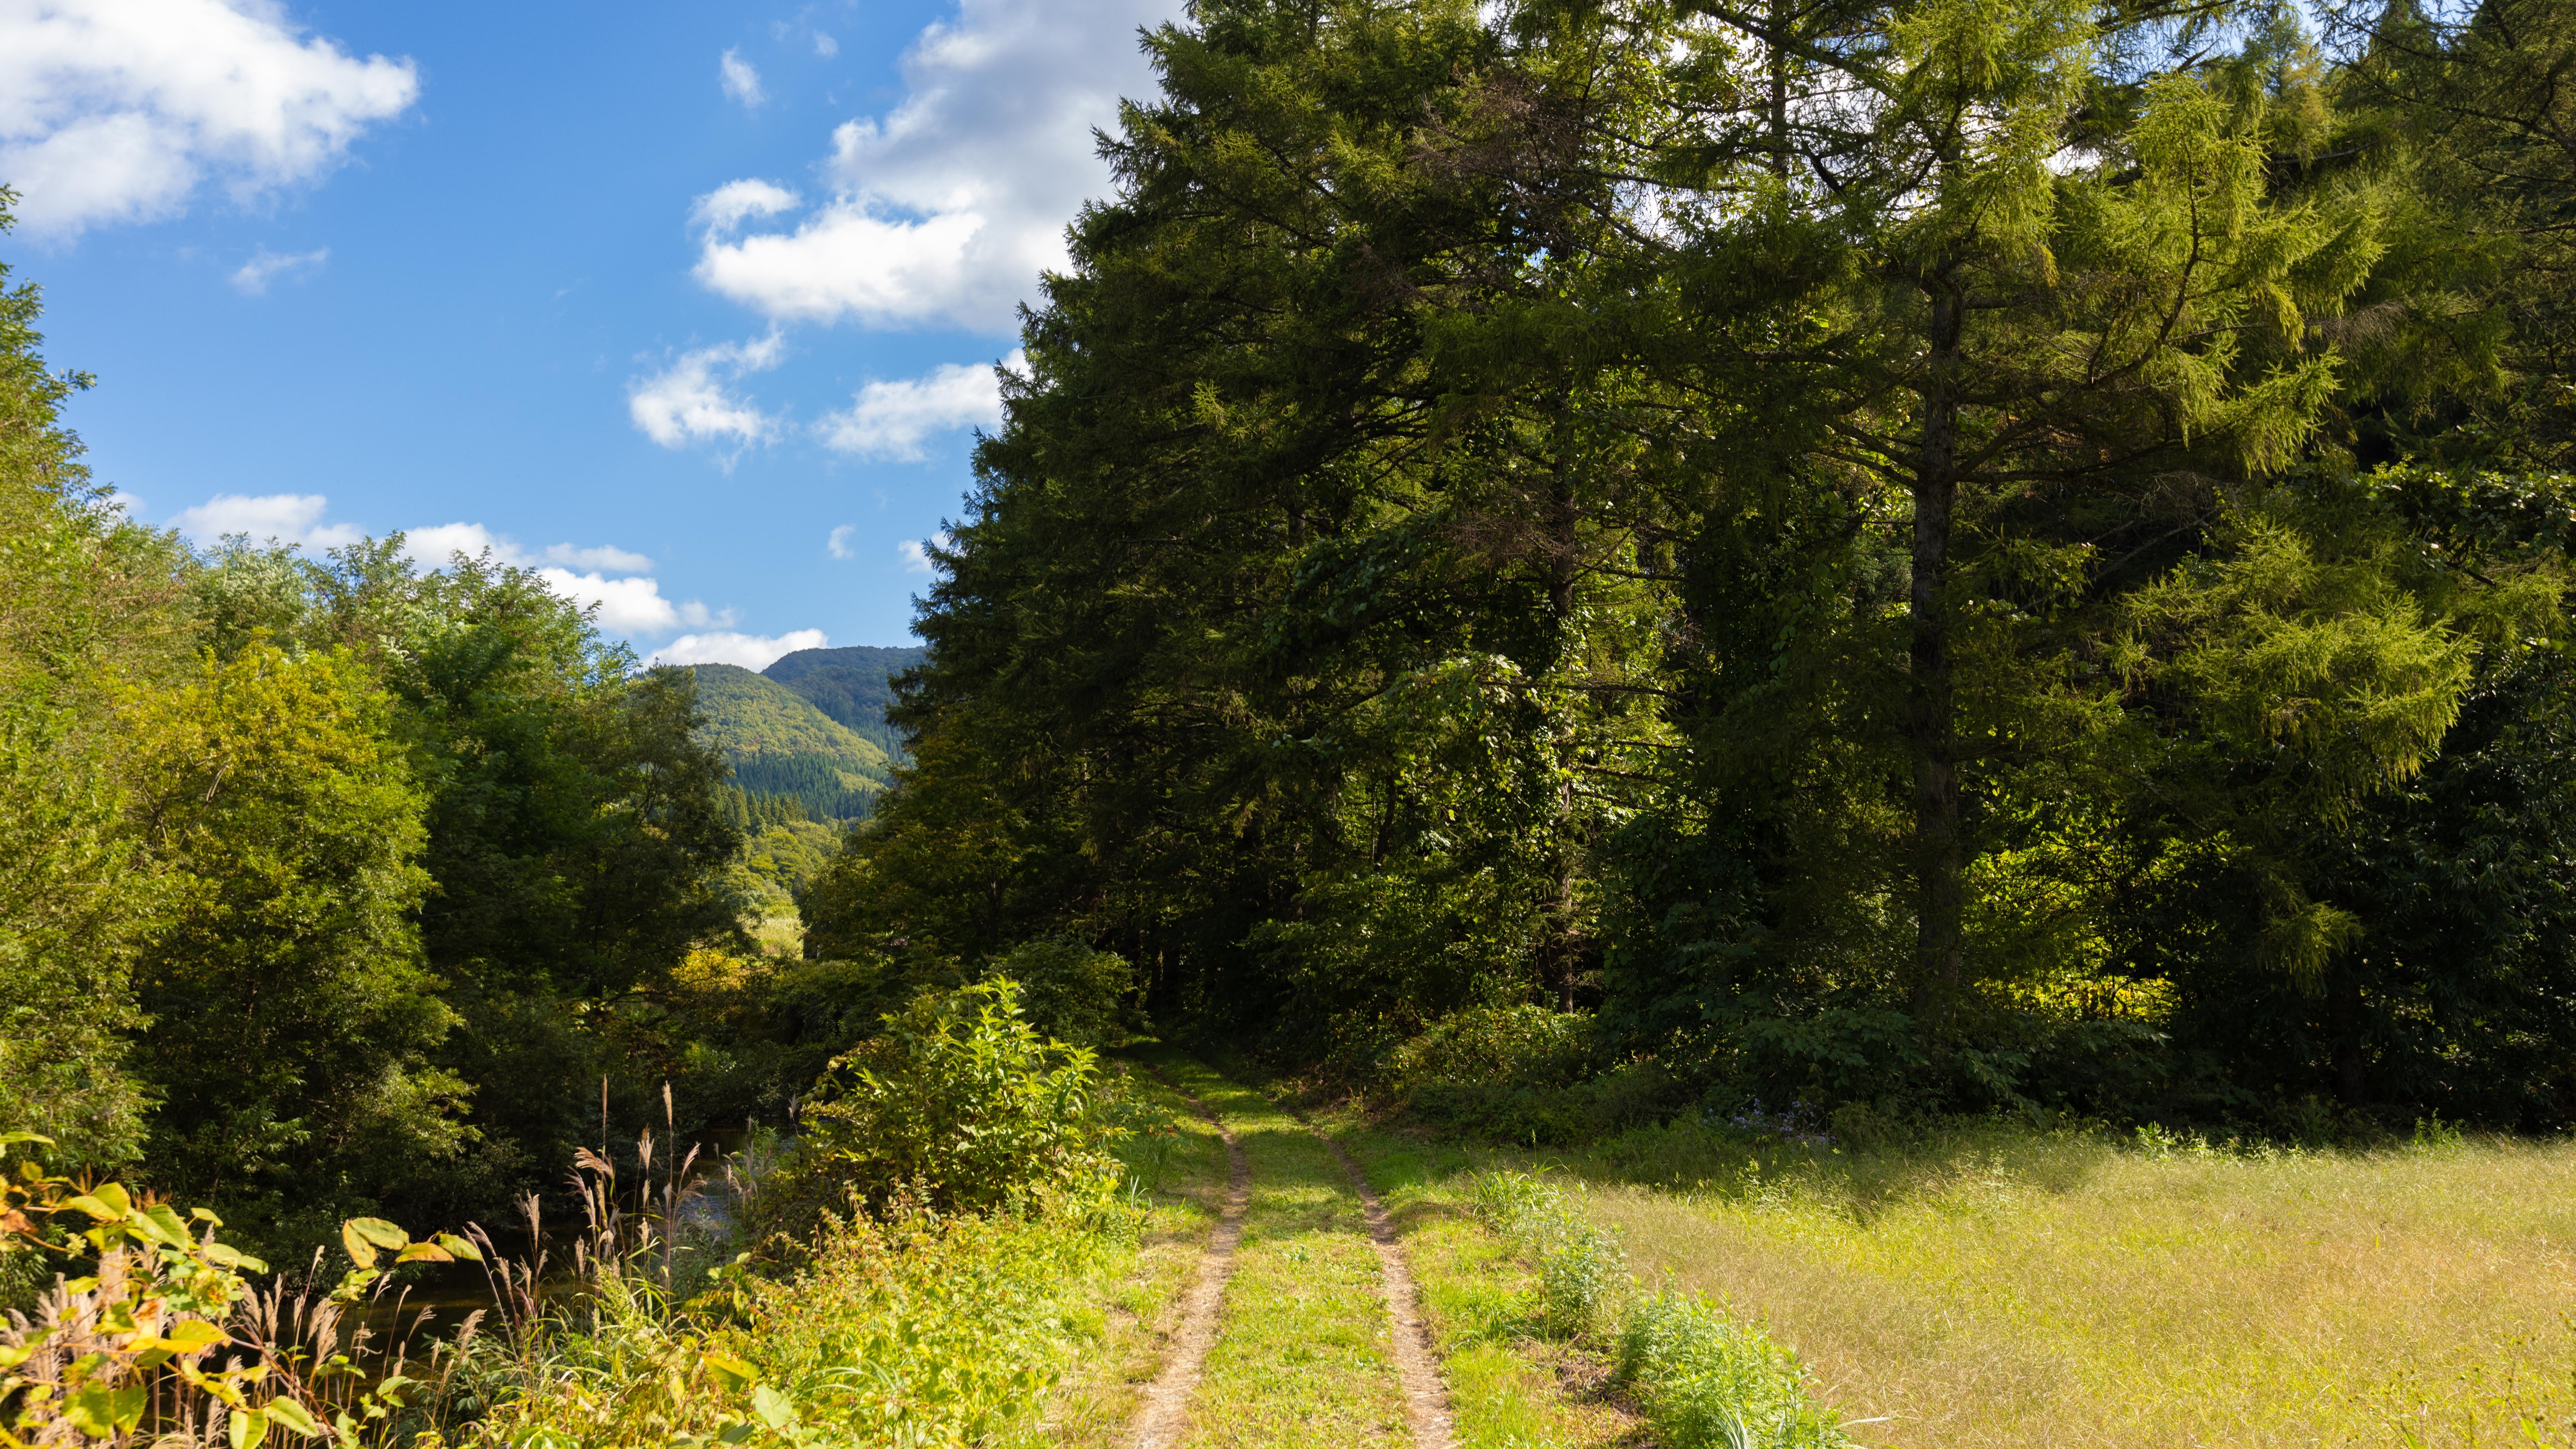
331, 884
1989, 554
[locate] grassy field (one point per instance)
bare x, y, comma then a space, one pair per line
2002, 1289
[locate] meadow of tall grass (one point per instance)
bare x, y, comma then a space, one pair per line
2000, 1286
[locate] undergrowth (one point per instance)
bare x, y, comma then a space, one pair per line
1704, 1380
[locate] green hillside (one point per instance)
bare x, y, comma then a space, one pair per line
853, 686
780, 744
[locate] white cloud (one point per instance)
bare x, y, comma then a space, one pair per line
294, 518
947, 209
688, 401
751, 651
838, 545
432, 547
825, 46
730, 205
890, 419
631, 606
741, 81
917, 559
118, 110
266, 266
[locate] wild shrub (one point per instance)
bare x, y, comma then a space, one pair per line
1520, 1046
1707, 1381
153, 1331
1072, 992
963, 1104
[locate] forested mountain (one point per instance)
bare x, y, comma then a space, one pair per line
854, 685
780, 745
1961, 556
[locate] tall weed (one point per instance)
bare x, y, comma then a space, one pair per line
1704, 1380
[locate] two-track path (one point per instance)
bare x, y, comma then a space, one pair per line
1301, 1326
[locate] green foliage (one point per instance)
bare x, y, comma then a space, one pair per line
1070, 992
83, 594
165, 1335
292, 1015
1504, 1045
1707, 1381
961, 1103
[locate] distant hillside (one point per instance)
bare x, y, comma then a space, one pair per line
852, 685
780, 744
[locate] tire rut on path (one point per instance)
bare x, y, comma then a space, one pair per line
1165, 1412
1417, 1363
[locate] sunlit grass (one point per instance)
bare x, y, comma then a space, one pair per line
1303, 1354
1119, 1336
1510, 1386
2010, 1289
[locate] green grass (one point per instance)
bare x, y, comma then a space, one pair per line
1302, 1355
1134, 1305
2002, 1288
1510, 1386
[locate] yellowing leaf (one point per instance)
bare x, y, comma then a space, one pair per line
249, 1429
361, 1252
101, 1412
460, 1248
377, 1231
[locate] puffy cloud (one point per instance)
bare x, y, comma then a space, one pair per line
432, 547
917, 559
294, 518
838, 545
751, 651
260, 270
631, 606
947, 209
730, 205
741, 81
825, 46
689, 401
118, 110
890, 419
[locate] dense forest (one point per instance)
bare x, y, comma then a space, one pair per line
1927, 557
1933, 558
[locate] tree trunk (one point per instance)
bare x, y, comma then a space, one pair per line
1939, 863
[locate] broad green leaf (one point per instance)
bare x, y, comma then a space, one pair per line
772, 1407
99, 1412
460, 1248
295, 1417
249, 1429
734, 1369
377, 1231
164, 1224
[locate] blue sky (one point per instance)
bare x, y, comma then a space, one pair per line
694, 306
